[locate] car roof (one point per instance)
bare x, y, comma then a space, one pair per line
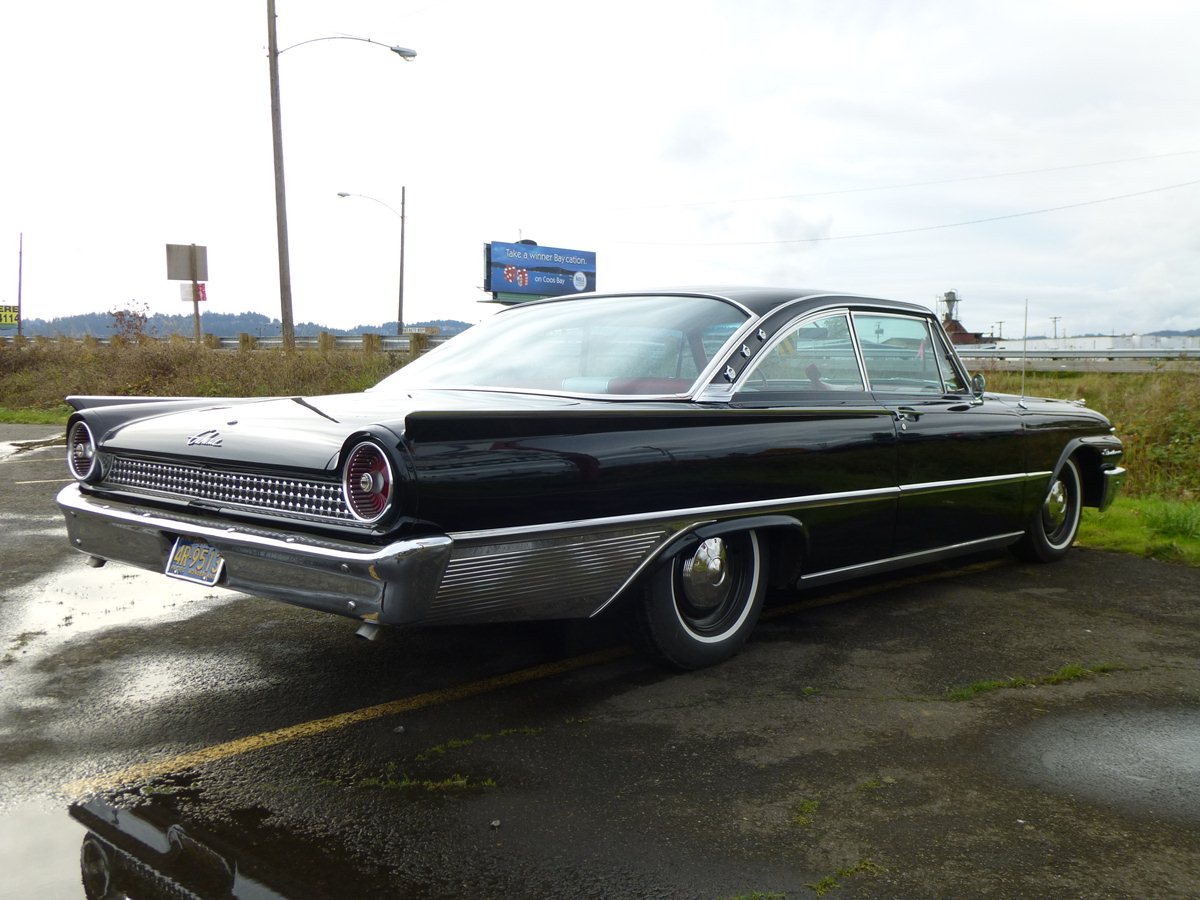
764, 300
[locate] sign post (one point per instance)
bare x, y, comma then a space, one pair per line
188, 262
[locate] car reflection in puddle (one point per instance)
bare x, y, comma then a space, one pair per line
156, 844
1143, 761
142, 852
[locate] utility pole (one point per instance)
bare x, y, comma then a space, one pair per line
1000, 330
285, 266
20, 276
400, 304
1055, 319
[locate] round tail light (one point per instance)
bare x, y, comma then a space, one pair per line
368, 483
81, 452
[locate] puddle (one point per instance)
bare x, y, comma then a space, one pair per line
1139, 760
39, 854
77, 600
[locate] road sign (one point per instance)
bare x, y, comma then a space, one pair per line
188, 296
179, 262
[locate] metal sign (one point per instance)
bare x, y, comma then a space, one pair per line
193, 292
527, 271
10, 316
180, 259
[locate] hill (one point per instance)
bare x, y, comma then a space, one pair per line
222, 324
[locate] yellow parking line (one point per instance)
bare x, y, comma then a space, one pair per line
264, 740
315, 727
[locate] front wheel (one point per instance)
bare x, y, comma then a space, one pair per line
701, 605
1053, 530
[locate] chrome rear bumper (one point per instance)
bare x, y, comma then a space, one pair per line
392, 584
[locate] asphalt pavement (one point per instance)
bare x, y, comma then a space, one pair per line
172, 738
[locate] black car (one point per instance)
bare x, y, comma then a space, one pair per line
671, 453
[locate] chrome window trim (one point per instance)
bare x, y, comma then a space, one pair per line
782, 334
890, 314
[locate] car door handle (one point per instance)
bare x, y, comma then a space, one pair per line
906, 414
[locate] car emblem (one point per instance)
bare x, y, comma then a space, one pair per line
210, 438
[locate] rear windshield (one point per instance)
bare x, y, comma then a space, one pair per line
640, 345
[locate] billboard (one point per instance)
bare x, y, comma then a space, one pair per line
10, 316
528, 271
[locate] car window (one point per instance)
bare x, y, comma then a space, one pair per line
950, 374
629, 345
899, 354
816, 355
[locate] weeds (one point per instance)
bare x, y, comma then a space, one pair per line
805, 812
35, 377
1070, 672
829, 882
1156, 414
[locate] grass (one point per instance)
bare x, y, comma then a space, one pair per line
1151, 527
829, 882
1068, 673
1156, 414
805, 812
36, 377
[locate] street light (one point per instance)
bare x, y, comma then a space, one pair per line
285, 267
400, 214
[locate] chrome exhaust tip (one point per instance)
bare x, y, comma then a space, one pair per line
368, 631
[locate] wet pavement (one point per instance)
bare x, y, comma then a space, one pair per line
170, 740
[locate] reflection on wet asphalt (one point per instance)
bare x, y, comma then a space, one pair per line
1143, 761
76, 600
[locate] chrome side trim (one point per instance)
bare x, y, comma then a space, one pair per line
968, 483
909, 559
837, 498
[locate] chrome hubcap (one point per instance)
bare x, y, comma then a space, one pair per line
705, 575
1054, 510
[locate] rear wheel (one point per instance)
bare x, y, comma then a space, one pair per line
1053, 530
701, 605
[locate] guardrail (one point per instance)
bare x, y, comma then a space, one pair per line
965, 351
410, 342
1124, 360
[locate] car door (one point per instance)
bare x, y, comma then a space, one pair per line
831, 446
960, 459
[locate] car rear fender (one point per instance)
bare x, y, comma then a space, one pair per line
786, 536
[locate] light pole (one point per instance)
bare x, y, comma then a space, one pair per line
400, 214
285, 266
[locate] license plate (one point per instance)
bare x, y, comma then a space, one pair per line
195, 561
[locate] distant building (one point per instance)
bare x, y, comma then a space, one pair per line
954, 328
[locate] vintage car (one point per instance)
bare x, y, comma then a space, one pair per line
668, 454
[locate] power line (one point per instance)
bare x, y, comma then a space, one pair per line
902, 185
871, 234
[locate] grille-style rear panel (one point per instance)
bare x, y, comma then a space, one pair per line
567, 577
287, 497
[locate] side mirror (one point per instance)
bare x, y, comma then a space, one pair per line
978, 385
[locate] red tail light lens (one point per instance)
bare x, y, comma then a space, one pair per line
368, 483
82, 458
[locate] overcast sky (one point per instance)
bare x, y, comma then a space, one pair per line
815, 144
